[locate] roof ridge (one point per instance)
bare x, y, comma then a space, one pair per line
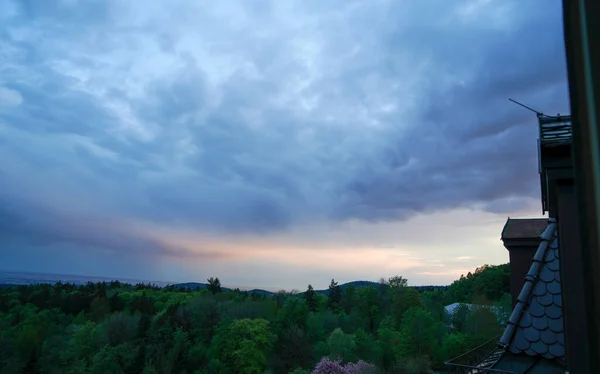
530, 280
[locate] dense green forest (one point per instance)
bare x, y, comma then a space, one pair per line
120, 328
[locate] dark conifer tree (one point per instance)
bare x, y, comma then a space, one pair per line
311, 299
334, 298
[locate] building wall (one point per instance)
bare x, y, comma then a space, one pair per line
521, 254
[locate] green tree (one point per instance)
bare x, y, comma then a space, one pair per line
293, 349
334, 297
243, 345
315, 328
418, 333
280, 297
488, 281
116, 303
368, 306
453, 345
84, 343
206, 314
367, 348
459, 317
397, 281
310, 298
300, 371
433, 301
118, 329
348, 298
139, 362
112, 360
415, 365
482, 323
389, 344
214, 285
177, 355
403, 298
101, 291
99, 309
143, 326
149, 369
341, 346
492, 281
142, 303
293, 313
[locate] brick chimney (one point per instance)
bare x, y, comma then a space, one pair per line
521, 237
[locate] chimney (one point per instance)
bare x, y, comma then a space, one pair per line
521, 237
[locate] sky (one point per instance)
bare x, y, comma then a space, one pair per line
272, 144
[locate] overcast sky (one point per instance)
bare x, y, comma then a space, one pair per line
271, 143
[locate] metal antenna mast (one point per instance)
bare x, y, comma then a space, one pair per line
540, 114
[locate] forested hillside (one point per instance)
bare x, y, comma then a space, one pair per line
120, 328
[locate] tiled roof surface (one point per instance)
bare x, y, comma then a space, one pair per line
519, 228
536, 324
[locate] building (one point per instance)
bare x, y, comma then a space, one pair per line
562, 283
543, 334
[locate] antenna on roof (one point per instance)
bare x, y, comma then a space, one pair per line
526, 107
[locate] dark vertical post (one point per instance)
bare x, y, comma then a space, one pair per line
582, 42
573, 286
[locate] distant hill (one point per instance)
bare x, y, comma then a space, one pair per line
356, 284
260, 292
361, 284
23, 278
9, 279
200, 286
192, 285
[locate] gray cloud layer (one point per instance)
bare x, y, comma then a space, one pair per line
254, 116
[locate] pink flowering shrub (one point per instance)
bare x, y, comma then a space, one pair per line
326, 366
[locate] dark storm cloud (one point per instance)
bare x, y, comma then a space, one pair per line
44, 227
48, 108
262, 118
472, 145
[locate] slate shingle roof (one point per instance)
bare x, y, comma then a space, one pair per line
536, 325
524, 228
